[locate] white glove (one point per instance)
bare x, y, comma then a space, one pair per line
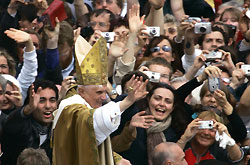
224, 140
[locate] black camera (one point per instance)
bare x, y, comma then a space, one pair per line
246, 150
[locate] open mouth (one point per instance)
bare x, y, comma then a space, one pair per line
47, 114
160, 111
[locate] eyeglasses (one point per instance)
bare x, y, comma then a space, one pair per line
102, 24
157, 49
102, 1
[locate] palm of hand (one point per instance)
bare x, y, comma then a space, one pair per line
19, 36
116, 48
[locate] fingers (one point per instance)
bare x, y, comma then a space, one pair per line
238, 65
39, 90
213, 71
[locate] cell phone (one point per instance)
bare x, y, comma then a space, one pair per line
153, 76
213, 84
208, 124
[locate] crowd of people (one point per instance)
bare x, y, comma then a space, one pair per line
124, 82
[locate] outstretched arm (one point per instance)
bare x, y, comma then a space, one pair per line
30, 65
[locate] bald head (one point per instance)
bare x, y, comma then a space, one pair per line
168, 153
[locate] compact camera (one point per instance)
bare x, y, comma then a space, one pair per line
208, 124
213, 84
109, 36
246, 150
202, 28
246, 69
213, 55
191, 19
153, 76
153, 31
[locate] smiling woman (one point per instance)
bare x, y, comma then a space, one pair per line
163, 104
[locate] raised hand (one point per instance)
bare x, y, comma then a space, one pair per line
189, 133
238, 76
141, 120
15, 96
21, 37
137, 88
210, 71
222, 101
53, 35
157, 4
34, 99
66, 84
227, 61
117, 48
135, 22
18, 35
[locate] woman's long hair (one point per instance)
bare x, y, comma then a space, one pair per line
179, 114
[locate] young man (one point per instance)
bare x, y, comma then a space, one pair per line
30, 126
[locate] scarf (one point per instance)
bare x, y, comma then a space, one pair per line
156, 136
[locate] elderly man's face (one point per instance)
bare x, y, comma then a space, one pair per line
94, 95
108, 4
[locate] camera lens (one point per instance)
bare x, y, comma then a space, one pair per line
153, 32
203, 29
153, 77
107, 34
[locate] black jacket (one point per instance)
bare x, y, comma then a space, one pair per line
19, 133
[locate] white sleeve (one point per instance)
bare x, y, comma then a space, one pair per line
28, 72
106, 120
188, 60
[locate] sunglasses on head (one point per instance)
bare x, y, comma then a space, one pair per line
164, 48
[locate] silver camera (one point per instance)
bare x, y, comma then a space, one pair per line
191, 19
213, 84
206, 124
213, 55
202, 28
153, 31
153, 76
109, 36
246, 69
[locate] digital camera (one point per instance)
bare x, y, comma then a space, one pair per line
109, 36
246, 69
246, 150
153, 31
153, 76
202, 28
213, 84
191, 19
208, 124
213, 55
